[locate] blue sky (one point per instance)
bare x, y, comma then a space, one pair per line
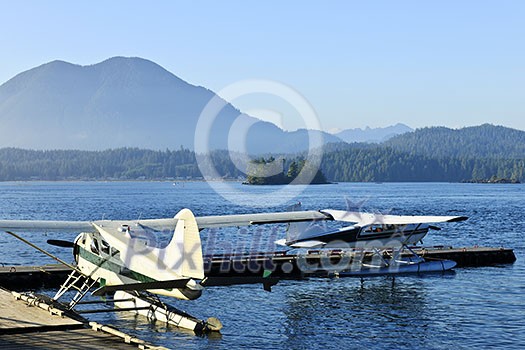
358, 63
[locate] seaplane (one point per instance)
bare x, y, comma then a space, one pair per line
383, 240
124, 257
372, 230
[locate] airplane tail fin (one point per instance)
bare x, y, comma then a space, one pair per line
185, 248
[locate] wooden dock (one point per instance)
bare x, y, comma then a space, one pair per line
235, 268
470, 256
17, 277
221, 269
17, 316
28, 322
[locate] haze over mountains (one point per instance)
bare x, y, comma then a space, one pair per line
373, 135
123, 102
132, 102
475, 153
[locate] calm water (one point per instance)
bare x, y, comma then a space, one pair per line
475, 307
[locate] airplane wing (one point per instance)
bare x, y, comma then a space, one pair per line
216, 221
80, 226
362, 219
163, 224
259, 218
45, 226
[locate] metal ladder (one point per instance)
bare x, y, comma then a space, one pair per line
74, 278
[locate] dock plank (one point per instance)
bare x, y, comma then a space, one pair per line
17, 316
24, 325
66, 339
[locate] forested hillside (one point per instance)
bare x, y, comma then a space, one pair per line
431, 154
384, 164
369, 164
118, 164
484, 141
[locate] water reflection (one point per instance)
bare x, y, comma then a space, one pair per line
339, 311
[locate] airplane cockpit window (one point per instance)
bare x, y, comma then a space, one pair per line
104, 247
366, 229
373, 229
114, 252
94, 246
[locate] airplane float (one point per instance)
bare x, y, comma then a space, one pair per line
120, 256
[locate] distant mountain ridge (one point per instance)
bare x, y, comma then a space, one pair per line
373, 135
123, 102
133, 102
476, 153
483, 141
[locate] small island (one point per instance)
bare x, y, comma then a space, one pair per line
493, 180
273, 171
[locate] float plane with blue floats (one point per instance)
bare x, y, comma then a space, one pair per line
124, 258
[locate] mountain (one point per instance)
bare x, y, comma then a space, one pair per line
373, 135
126, 102
483, 141
478, 153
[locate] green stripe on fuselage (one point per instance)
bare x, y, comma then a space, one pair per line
105, 263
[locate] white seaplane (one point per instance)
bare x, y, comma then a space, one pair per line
370, 230
384, 238
125, 257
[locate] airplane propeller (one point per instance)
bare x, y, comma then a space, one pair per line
61, 243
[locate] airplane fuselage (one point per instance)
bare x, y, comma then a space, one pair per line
368, 236
97, 259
